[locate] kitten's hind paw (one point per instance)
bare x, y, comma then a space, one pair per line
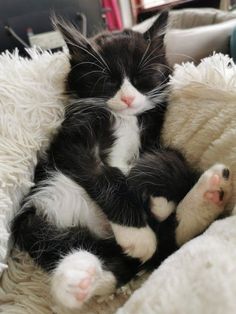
139, 243
74, 280
216, 185
204, 203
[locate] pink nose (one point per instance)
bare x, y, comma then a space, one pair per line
128, 100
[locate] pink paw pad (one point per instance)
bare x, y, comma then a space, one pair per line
81, 296
217, 183
215, 179
214, 196
75, 279
84, 286
85, 283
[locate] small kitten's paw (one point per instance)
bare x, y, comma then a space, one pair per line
161, 208
139, 243
74, 280
216, 184
204, 203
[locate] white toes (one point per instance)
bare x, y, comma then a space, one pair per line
139, 243
161, 208
74, 280
218, 169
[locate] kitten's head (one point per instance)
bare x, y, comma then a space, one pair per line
126, 68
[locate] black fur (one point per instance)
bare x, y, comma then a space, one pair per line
97, 70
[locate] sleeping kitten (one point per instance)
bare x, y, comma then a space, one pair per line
104, 202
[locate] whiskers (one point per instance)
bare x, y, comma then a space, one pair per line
159, 93
148, 57
85, 106
92, 72
90, 102
93, 53
144, 55
94, 64
151, 62
181, 55
101, 68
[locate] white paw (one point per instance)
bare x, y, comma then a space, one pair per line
139, 243
215, 184
74, 280
204, 203
161, 208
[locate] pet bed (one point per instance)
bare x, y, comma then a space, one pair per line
201, 276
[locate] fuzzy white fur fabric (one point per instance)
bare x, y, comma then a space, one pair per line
199, 278
30, 111
201, 123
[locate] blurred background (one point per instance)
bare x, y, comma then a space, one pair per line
26, 23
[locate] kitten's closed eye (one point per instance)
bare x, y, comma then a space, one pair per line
138, 80
135, 81
112, 82
143, 82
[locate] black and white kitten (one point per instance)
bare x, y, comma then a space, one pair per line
104, 202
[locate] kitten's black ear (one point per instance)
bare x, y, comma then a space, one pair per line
158, 28
74, 39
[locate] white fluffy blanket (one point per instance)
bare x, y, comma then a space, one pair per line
200, 277
31, 108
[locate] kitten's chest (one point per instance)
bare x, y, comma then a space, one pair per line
125, 149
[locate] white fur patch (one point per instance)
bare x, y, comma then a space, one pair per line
137, 242
65, 203
140, 104
161, 208
126, 147
78, 277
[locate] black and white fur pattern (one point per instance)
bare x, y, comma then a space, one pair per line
104, 203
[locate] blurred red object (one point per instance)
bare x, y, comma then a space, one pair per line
113, 15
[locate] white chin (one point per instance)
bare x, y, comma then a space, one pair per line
126, 110
122, 109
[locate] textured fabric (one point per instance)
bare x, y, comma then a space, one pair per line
30, 111
25, 289
199, 278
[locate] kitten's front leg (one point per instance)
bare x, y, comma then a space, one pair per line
125, 212
128, 219
204, 203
